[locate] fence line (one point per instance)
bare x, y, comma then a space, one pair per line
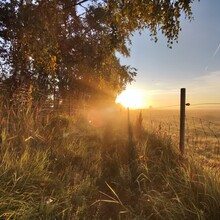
202, 136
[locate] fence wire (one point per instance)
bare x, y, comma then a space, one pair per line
202, 134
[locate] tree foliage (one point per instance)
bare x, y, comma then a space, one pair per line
68, 47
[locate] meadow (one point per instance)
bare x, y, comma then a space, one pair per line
79, 167
202, 132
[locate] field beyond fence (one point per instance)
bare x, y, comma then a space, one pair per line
202, 132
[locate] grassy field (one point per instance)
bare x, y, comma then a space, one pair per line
88, 168
202, 134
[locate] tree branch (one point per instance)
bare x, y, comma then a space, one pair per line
75, 4
81, 2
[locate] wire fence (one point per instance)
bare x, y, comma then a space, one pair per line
202, 126
202, 131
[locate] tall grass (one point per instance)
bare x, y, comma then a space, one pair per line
64, 168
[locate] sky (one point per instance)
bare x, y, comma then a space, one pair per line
193, 63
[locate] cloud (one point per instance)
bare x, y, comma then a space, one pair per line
216, 51
205, 88
202, 89
210, 80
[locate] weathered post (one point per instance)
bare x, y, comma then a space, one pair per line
182, 118
131, 151
129, 131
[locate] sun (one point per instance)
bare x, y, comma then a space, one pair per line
131, 98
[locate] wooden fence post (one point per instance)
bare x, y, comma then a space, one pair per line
182, 119
131, 151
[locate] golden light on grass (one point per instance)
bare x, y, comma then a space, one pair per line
131, 98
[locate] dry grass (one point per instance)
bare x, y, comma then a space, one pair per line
65, 168
202, 135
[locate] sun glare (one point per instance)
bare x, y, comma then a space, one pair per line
131, 98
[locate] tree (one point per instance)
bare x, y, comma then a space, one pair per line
68, 47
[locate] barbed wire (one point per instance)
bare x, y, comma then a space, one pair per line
207, 103
202, 137
187, 104
168, 106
